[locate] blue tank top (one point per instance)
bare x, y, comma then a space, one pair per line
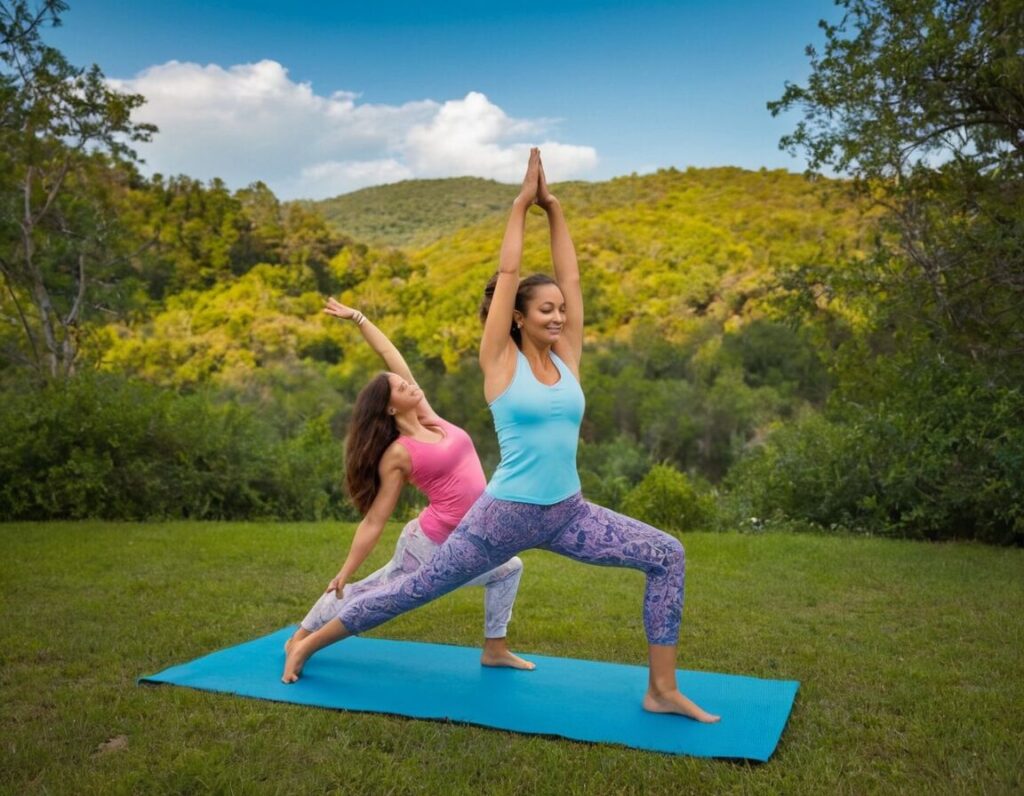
538, 430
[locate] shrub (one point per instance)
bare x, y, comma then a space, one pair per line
608, 470
668, 500
939, 458
102, 446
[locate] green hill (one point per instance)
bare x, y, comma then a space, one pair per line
690, 354
414, 212
688, 254
676, 252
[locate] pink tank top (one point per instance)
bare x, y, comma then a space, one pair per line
449, 473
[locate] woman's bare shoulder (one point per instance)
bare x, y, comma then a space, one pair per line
396, 457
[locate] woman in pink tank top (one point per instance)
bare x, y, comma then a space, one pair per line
395, 438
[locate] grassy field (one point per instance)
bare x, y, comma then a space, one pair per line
909, 656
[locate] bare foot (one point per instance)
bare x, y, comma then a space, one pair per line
298, 653
298, 635
675, 702
505, 658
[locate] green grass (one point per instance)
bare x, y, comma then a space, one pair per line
909, 657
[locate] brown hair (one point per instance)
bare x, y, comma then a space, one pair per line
523, 294
370, 432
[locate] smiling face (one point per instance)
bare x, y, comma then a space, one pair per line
404, 396
544, 317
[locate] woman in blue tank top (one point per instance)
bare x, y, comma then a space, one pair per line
530, 354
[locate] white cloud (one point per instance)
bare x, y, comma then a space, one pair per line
323, 179
252, 121
472, 136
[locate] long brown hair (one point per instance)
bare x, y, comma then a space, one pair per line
523, 294
370, 431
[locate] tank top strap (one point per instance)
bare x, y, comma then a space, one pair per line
563, 368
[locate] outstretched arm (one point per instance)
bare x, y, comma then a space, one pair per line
379, 342
392, 479
495, 351
567, 273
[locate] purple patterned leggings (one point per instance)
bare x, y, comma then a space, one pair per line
495, 530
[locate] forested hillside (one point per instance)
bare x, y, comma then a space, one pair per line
671, 251
413, 212
690, 357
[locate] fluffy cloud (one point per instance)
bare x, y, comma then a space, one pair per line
473, 137
251, 121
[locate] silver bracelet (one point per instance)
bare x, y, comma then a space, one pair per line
358, 317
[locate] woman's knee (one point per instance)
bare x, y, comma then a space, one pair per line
675, 554
513, 568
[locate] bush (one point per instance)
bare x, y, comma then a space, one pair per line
667, 499
608, 470
308, 474
942, 457
809, 470
102, 446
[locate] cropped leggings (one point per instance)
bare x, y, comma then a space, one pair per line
494, 530
414, 550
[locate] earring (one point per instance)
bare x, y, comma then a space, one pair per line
519, 326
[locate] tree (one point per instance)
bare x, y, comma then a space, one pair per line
197, 233
922, 103
265, 226
65, 152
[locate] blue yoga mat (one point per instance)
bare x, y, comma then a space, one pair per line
577, 699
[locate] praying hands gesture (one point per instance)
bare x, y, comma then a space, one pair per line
531, 182
534, 189
545, 198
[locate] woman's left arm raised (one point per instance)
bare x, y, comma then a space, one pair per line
385, 349
567, 274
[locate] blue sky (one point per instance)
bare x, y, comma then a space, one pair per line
321, 98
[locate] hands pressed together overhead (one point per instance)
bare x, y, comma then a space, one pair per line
535, 186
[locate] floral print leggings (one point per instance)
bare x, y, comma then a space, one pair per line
494, 530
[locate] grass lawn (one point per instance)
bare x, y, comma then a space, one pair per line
909, 656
